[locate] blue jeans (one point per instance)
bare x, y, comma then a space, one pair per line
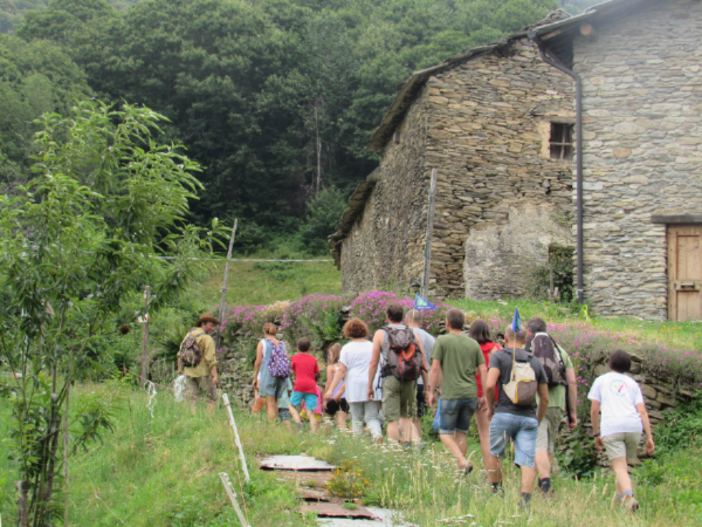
522, 430
455, 415
437, 417
272, 386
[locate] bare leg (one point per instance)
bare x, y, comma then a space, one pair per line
495, 469
417, 426
394, 431
272, 408
295, 414
481, 419
406, 429
543, 463
621, 472
341, 420
453, 445
528, 476
314, 424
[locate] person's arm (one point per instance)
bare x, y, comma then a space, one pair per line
595, 420
375, 359
572, 398
650, 446
259, 361
543, 401
482, 371
330, 377
434, 379
425, 367
493, 375
340, 375
211, 359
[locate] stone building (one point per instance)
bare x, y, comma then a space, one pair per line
496, 125
641, 68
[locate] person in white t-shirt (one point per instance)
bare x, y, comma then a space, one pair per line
354, 363
618, 398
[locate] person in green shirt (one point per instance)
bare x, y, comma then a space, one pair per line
548, 428
456, 360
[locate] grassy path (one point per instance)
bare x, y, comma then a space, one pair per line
162, 471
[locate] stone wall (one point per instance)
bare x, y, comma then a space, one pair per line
386, 243
642, 86
489, 126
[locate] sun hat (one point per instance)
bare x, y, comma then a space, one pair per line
207, 318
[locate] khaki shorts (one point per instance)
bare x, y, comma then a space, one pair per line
399, 399
622, 444
195, 385
548, 429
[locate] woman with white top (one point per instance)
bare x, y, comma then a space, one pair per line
354, 364
619, 400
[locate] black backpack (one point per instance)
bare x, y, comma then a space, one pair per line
544, 348
404, 359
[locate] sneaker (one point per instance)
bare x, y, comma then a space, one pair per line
630, 503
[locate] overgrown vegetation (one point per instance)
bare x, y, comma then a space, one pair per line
83, 236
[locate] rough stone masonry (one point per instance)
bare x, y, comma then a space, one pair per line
642, 133
501, 200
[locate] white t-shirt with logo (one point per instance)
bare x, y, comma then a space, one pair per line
618, 395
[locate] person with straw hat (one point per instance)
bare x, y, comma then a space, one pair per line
197, 360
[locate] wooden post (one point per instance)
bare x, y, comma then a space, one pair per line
223, 298
66, 445
145, 336
232, 497
430, 231
232, 423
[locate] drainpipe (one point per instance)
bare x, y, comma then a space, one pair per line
579, 157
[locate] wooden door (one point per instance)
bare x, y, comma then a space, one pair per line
684, 272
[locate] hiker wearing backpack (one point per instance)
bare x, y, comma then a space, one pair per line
404, 364
197, 360
413, 319
457, 359
274, 365
516, 417
562, 389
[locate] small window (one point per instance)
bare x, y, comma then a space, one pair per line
561, 141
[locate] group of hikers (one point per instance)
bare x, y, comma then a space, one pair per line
519, 394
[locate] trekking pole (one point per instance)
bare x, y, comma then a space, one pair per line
225, 398
232, 497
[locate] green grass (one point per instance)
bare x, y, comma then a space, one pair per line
686, 335
163, 471
262, 283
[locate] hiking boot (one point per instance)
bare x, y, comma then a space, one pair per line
630, 503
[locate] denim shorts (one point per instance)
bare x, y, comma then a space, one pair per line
283, 414
272, 386
455, 415
523, 431
310, 400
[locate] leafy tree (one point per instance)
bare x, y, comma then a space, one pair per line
35, 77
324, 211
79, 239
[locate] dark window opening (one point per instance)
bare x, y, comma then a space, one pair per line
561, 141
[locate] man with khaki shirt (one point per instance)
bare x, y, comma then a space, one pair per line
203, 377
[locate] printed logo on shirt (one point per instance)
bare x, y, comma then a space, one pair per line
619, 388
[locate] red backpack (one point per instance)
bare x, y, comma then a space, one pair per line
404, 356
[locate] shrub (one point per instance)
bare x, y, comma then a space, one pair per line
317, 317
370, 307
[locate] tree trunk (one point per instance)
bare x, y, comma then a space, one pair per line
22, 503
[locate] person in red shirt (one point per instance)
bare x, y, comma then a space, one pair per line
480, 331
306, 370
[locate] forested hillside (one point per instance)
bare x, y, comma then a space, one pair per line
277, 99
